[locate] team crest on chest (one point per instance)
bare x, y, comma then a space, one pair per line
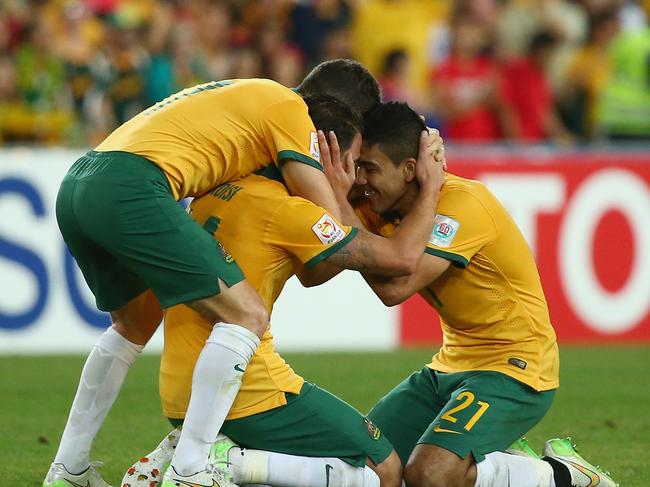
444, 231
314, 149
327, 230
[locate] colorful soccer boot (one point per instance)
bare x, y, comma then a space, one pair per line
522, 448
58, 476
583, 473
219, 455
149, 470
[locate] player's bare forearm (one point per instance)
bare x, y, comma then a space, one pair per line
395, 290
372, 253
310, 183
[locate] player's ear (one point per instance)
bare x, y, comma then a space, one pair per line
408, 169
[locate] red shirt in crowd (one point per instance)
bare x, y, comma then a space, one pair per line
528, 94
465, 84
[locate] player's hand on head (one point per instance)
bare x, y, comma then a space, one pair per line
438, 146
428, 170
340, 170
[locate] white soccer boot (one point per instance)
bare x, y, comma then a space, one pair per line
149, 470
210, 477
58, 476
583, 473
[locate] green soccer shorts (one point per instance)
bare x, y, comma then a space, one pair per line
313, 423
475, 412
118, 216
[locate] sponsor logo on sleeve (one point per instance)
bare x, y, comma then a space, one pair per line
327, 230
314, 149
444, 231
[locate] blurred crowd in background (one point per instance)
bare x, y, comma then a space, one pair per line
484, 71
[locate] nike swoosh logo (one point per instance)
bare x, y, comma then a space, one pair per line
193, 484
328, 467
593, 476
438, 429
238, 368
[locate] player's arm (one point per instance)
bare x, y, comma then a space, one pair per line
292, 141
399, 254
317, 275
310, 183
395, 290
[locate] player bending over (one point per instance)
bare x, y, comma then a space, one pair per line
140, 252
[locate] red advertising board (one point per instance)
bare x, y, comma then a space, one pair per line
586, 217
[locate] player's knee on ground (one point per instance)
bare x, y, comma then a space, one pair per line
138, 319
389, 471
432, 466
239, 305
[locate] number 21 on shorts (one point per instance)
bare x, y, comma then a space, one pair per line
466, 399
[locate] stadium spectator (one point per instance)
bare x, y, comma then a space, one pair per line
566, 20
127, 62
381, 26
588, 74
35, 105
314, 22
465, 86
624, 109
528, 95
396, 85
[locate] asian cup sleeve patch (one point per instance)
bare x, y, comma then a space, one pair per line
314, 148
445, 229
327, 230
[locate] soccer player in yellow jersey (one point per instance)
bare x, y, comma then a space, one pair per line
140, 252
272, 235
496, 373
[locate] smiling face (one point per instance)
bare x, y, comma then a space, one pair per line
385, 184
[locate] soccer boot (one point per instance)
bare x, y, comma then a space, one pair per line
522, 448
149, 470
58, 476
210, 477
219, 455
583, 473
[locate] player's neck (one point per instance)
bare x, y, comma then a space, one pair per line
405, 203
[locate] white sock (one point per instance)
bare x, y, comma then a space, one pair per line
499, 469
215, 383
101, 381
281, 470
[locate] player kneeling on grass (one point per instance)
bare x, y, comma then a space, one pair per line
293, 432
496, 373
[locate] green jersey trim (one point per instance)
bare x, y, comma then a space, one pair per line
456, 259
270, 172
434, 296
332, 249
297, 156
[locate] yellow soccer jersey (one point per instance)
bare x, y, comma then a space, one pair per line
265, 230
220, 131
492, 307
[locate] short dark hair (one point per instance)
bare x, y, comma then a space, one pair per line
346, 80
328, 113
396, 127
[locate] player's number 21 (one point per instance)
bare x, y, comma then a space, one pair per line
466, 398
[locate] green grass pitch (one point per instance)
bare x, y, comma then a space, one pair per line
604, 404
